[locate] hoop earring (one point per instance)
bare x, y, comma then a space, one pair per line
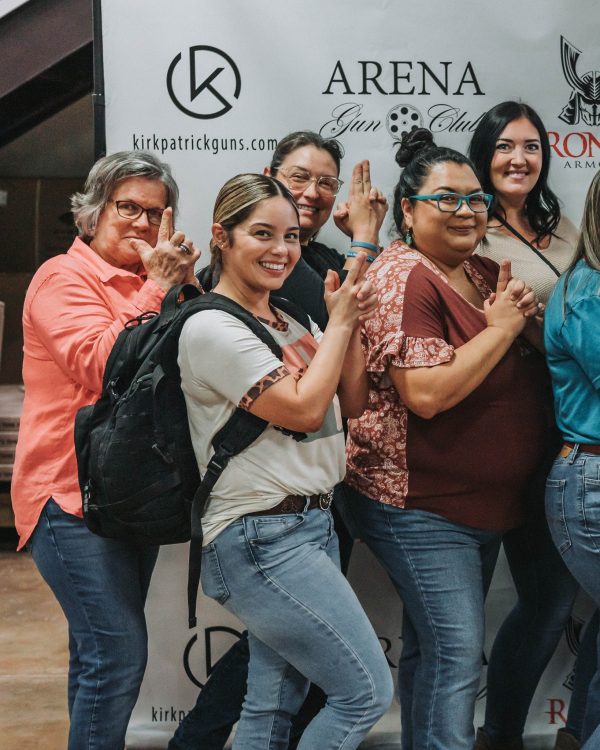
408, 238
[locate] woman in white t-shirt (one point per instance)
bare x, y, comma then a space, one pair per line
270, 553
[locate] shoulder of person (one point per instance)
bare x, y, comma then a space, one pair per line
212, 323
566, 230
59, 268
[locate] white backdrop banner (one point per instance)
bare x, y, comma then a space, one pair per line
211, 87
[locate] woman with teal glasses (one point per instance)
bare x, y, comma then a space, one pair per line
437, 462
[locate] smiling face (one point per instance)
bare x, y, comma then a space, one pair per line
314, 205
517, 162
446, 238
261, 251
113, 232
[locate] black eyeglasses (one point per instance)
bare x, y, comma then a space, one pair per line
298, 179
451, 202
131, 210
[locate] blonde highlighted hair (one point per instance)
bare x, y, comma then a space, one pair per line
236, 200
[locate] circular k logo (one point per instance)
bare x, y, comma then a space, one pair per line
205, 89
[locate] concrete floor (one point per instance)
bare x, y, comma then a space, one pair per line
33, 659
33, 662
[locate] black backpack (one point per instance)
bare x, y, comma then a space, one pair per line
137, 470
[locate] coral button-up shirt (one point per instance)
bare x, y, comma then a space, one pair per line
75, 307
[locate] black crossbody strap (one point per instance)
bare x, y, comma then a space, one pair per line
519, 236
240, 431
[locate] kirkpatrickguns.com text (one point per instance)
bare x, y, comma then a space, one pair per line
213, 145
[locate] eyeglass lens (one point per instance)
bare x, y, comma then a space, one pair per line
452, 202
324, 183
130, 210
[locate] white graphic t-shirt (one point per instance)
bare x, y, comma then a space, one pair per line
223, 365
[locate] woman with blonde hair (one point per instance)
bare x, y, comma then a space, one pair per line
572, 339
270, 551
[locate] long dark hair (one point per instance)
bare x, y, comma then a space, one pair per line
541, 206
417, 154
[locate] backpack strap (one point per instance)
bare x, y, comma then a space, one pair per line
174, 298
239, 432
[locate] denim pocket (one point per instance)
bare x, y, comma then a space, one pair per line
591, 508
555, 513
269, 529
213, 582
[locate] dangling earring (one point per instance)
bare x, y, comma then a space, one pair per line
408, 238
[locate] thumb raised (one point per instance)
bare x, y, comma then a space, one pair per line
331, 282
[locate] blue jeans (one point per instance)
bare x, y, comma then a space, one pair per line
280, 575
528, 637
586, 665
573, 512
219, 703
530, 634
442, 571
101, 585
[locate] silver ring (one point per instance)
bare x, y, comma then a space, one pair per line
184, 248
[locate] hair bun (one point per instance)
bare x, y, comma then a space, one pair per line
413, 143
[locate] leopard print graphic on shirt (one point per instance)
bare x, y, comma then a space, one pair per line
266, 382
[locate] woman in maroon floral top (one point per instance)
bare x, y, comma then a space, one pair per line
437, 462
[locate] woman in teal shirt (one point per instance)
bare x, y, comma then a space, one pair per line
572, 339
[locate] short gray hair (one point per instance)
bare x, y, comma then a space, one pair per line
103, 178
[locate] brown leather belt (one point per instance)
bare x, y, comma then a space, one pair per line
296, 504
583, 448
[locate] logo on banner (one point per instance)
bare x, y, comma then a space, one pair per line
584, 102
351, 117
205, 87
209, 634
402, 119
400, 78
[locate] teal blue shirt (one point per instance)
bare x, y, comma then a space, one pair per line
572, 339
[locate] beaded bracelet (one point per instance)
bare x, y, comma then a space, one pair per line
352, 254
366, 245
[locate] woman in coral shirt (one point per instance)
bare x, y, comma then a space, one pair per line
125, 259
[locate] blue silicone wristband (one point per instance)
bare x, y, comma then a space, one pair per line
366, 245
352, 254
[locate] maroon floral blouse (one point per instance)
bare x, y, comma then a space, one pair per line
471, 462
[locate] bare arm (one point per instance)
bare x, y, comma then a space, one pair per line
427, 391
353, 390
302, 404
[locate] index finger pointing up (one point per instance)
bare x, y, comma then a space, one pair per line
366, 169
166, 224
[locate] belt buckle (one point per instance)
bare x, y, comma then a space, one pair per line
325, 500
